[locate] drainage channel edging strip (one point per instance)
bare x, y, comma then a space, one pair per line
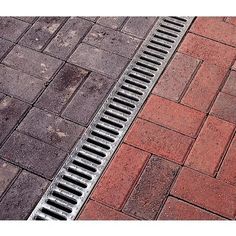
74, 182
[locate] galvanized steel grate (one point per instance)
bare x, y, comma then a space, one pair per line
74, 182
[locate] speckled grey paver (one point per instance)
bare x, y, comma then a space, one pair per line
111, 40
96, 59
51, 129
88, 98
19, 201
111, 22
32, 62
32, 154
58, 93
4, 46
28, 19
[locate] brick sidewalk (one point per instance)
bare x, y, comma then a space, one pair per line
55, 72
178, 160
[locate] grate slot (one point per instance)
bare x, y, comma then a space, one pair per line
107, 129
169, 27
42, 216
153, 55
53, 214
100, 144
58, 204
146, 66
160, 43
74, 181
125, 94
147, 59
132, 89
173, 22
64, 197
39, 218
111, 122
122, 102
102, 135
115, 114
179, 18
84, 166
143, 71
161, 36
167, 32
157, 49
86, 156
77, 171
138, 77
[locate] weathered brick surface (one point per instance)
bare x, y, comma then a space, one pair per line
230, 85
231, 20
225, 107
111, 22
60, 90
51, 129
11, 28
96, 211
19, 84
176, 76
41, 32
205, 191
98, 60
32, 62
7, 174
88, 99
68, 37
210, 145
4, 46
112, 40
90, 18
204, 87
208, 50
138, 26
120, 176
20, 200
32, 154
152, 188
172, 115
11, 111
28, 19
227, 171
159, 140
175, 209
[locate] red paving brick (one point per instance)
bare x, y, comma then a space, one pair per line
205, 191
172, 115
210, 145
208, 50
230, 85
119, 178
96, 211
176, 209
231, 20
204, 87
234, 66
227, 171
159, 140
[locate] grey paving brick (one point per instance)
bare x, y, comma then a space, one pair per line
68, 37
91, 18
31, 62
112, 40
7, 174
2, 96
88, 98
19, 84
41, 32
51, 129
11, 28
96, 59
4, 46
11, 111
28, 19
22, 197
60, 90
138, 26
32, 154
111, 22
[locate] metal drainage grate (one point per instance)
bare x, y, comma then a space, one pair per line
75, 181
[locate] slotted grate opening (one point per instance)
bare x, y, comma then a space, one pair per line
76, 179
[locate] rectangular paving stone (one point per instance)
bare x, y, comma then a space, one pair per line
32, 154
175, 209
152, 188
67, 38
11, 28
60, 90
204, 87
210, 145
11, 111
159, 140
172, 115
112, 40
31, 62
205, 191
41, 32
88, 99
7, 174
230, 84
96, 211
138, 26
208, 50
111, 22
50, 129
176, 77
19, 84
98, 60
119, 178
22, 197
225, 107
4, 46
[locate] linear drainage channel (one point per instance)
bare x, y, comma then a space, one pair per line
71, 187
